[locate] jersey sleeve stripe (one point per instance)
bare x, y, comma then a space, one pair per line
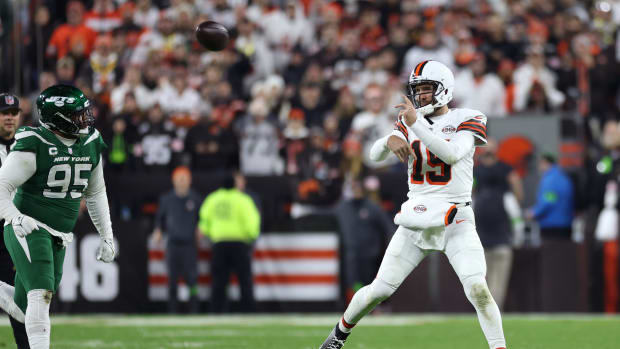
477, 127
403, 128
474, 123
26, 134
400, 127
473, 129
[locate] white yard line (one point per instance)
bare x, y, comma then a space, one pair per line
290, 319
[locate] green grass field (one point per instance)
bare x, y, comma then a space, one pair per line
308, 331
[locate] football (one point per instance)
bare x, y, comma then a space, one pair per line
212, 35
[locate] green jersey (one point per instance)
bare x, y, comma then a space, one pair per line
53, 194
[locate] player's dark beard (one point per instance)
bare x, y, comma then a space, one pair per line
64, 134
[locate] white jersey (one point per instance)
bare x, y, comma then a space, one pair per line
427, 174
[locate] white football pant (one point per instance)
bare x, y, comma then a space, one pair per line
466, 255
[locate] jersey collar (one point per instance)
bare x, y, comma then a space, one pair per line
51, 136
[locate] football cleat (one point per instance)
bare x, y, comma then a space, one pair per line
332, 342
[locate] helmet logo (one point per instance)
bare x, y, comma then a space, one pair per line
59, 101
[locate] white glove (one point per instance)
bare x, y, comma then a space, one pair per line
23, 225
106, 251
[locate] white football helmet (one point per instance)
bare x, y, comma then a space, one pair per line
438, 75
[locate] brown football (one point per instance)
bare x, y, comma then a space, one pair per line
212, 35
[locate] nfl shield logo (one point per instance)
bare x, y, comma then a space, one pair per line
9, 100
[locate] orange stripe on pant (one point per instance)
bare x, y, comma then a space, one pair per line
446, 221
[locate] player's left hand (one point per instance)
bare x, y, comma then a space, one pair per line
407, 111
23, 225
400, 148
106, 251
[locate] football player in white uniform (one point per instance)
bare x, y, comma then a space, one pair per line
438, 143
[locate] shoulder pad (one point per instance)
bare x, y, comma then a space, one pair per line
475, 122
28, 139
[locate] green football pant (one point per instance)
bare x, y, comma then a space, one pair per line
38, 260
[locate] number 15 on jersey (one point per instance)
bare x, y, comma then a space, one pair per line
436, 172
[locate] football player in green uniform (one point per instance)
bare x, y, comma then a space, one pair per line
49, 170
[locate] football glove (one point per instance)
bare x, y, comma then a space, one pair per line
23, 225
106, 251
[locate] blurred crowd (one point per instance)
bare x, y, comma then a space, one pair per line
304, 87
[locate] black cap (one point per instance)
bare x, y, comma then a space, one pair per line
8, 102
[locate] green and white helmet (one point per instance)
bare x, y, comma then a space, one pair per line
65, 109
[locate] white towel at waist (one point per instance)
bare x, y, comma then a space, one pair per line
427, 218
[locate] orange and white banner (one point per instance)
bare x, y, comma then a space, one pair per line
286, 267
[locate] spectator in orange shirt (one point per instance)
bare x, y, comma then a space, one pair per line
60, 43
372, 36
103, 17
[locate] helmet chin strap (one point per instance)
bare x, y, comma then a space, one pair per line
425, 110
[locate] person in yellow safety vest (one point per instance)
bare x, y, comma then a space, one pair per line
231, 221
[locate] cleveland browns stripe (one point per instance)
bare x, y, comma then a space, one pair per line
481, 128
346, 324
475, 126
401, 127
419, 67
449, 217
474, 130
475, 123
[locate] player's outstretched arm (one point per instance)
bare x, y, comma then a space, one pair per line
379, 150
99, 211
18, 167
393, 142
